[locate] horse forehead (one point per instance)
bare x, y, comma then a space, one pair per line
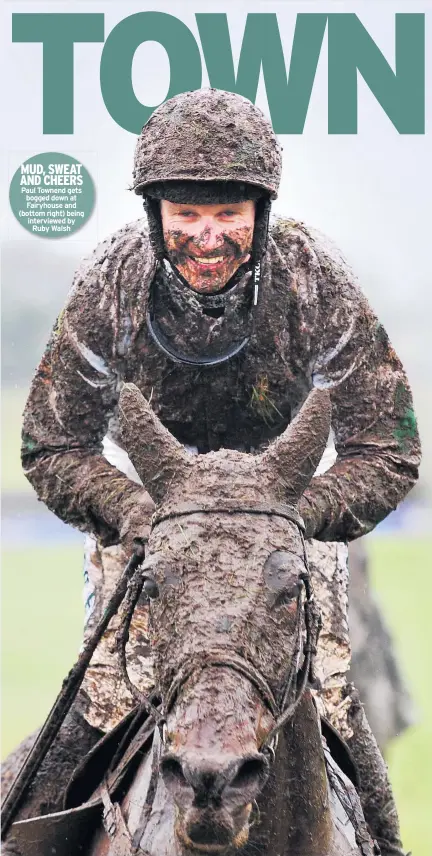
226, 463
213, 534
226, 473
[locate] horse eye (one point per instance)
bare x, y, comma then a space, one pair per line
282, 574
151, 587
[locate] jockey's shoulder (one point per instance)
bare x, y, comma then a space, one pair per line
127, 250
305, 245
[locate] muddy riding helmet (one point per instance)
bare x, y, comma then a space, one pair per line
208, 147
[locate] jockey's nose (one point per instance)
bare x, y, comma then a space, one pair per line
210, 236
204, 782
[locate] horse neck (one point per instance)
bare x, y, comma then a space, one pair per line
296, 817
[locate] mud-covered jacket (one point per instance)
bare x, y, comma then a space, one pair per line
312, 327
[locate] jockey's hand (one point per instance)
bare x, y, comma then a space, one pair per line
137, 521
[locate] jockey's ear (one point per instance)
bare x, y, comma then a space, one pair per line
292, 458
157, 456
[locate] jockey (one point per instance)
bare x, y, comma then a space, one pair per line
225, 323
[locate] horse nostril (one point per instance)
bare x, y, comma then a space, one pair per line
189, 782
202, 786
251, 773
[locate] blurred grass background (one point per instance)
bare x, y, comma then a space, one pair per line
13, 479
42, 617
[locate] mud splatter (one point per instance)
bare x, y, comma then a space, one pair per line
312, 326
185, 251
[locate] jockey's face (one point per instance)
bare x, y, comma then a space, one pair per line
208, 243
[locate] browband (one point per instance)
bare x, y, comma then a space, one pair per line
226, 506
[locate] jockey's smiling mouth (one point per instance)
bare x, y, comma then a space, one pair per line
208, 243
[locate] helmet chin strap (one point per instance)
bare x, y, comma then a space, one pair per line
177, 355
257, 278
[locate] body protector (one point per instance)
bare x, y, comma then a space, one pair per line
207, 147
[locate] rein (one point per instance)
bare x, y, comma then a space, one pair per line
65, 698
134, 581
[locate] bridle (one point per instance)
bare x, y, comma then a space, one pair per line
282, 707
308, 618
136, 581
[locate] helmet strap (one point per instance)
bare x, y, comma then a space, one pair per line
257, 280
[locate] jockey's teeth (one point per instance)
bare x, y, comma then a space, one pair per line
209, 261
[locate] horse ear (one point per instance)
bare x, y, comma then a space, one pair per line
292, 458
156, 455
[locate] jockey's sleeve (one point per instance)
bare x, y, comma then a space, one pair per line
72, 398
373, 419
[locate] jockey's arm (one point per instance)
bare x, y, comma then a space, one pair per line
72, 398
373, 420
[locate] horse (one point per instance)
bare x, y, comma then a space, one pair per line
235, 759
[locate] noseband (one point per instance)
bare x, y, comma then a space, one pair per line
297, 679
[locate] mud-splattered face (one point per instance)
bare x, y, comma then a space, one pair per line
208, 243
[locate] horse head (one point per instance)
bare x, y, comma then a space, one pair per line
226, 553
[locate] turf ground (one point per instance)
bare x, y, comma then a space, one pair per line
42, 620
